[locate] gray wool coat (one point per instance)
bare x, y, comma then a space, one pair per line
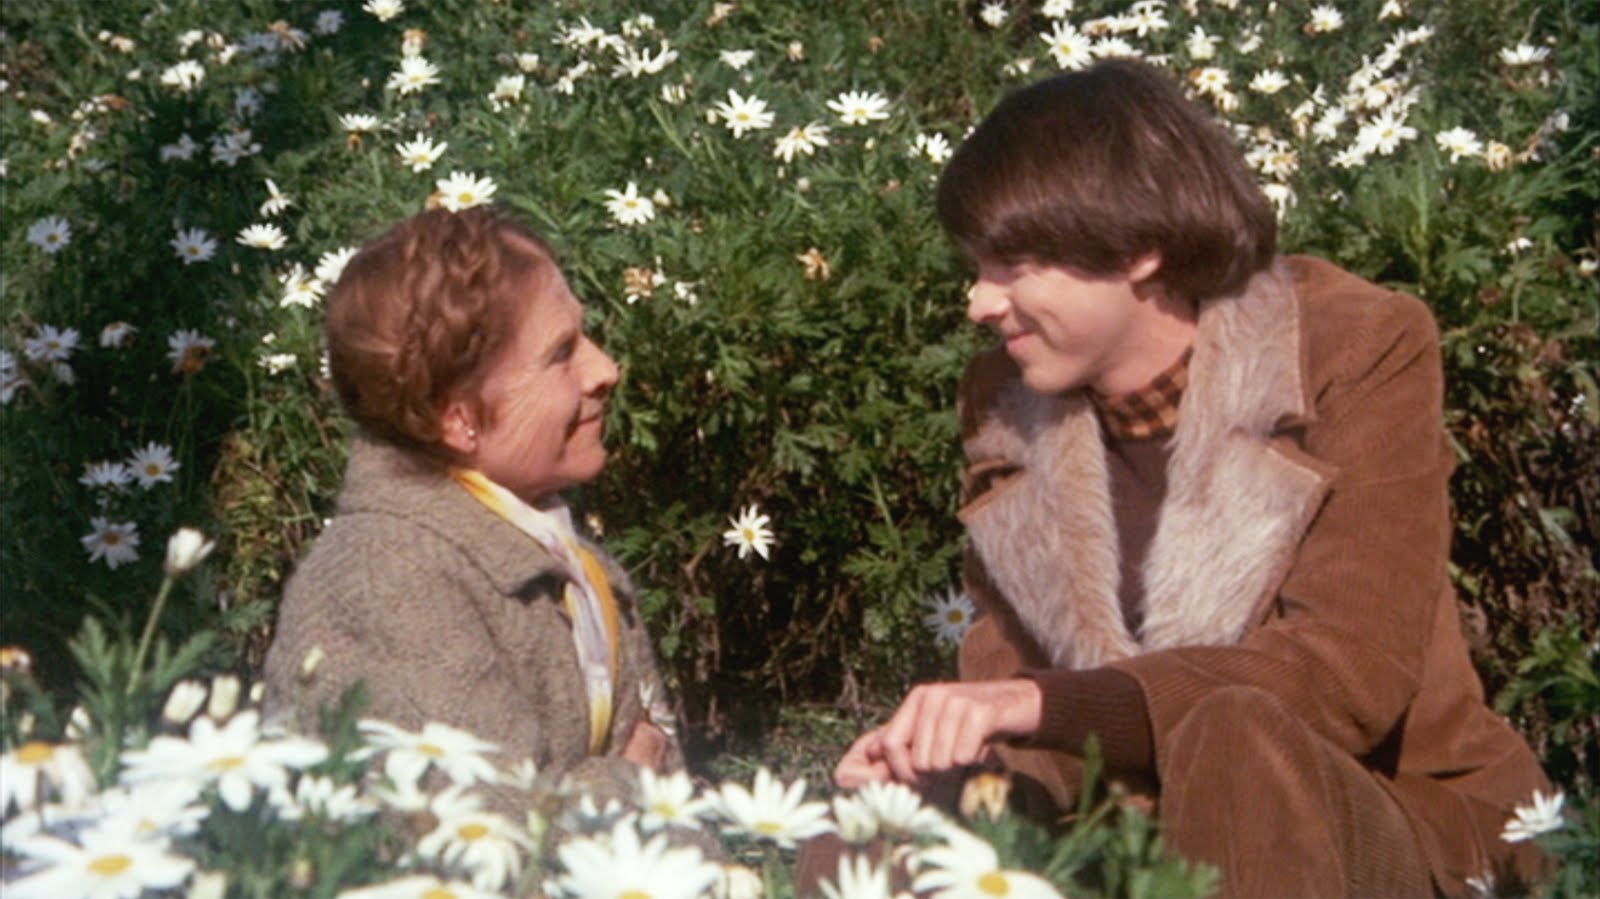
449, 613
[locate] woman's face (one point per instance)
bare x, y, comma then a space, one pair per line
545, 395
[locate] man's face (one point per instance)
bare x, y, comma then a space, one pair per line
1066, 328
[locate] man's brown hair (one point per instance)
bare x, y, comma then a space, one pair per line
419, 315
1096, 168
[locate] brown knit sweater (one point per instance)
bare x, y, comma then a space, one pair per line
450, 614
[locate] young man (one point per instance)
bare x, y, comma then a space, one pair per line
1206, 491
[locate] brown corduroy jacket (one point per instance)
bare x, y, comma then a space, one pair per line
1301, 549
450, 614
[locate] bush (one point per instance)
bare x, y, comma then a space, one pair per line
789, 318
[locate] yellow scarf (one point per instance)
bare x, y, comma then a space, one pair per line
590, 606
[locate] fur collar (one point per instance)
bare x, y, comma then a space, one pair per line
1238, 497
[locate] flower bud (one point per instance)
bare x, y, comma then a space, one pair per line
185, 699
224, 696
185, 550
313, 659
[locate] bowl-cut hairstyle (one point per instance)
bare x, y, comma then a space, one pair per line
1094, 169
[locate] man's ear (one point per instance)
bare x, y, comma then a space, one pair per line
1144, 267
457, 429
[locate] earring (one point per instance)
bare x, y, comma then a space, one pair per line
472, 433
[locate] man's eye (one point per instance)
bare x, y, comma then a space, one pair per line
564, 351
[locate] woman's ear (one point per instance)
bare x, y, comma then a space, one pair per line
456, 428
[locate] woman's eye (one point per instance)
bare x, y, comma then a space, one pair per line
565, 351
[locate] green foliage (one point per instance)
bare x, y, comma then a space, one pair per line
791, 331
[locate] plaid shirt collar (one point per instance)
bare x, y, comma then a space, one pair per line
1150, 411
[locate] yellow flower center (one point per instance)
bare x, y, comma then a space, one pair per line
110, 865
749, 535
994, 884
35, 752
439, 893
472, 831
226, 763
768, 828
633, 894
111, 538
152, 469
430, 750
955, 616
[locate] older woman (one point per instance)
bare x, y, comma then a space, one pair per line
451, 581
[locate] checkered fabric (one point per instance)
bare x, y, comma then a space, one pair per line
1150, 411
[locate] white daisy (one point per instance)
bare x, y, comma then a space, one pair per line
1324, 19
858, 878
51, 234
384, 10
802, 140
193, 245
1070, 48
617, 865
463, 190
1269, 82
359, 122
263, 237
105, 475
185, 76
420, 886
900, 810
967, 866
321, 797
1541, 816
460, 755
667, 800
48, 344
227, 149
1056, 9
329, 21
152, 464
736, 59
330, 265
1201, 46
935, 146
234, 758
770, 811
628, 208
183, 148
749, 532
741, 114
117, 543
860, 107
299, 288
507, 92
277, 363
107, 862
949, 616
1524, 55
57, 767
276, 201
188, 350
414, 74
993, 14
486, 844
1210, 80
1459, 143
1385, 132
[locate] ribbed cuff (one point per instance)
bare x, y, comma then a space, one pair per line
1102, 701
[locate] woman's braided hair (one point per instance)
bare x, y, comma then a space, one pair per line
420, 313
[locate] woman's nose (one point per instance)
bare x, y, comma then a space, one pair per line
600, 374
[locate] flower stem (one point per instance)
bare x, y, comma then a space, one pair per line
149, 632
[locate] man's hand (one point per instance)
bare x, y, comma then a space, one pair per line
940, 727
